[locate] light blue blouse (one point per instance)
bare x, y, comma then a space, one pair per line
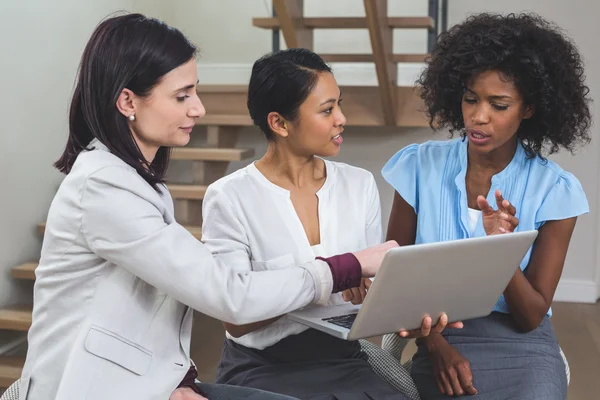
431, 178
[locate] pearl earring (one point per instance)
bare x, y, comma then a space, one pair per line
132, 117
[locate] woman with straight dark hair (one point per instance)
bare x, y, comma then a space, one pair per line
288, 208
118, 275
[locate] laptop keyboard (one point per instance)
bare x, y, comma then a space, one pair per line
345, 321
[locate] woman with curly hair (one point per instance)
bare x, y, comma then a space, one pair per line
513, 87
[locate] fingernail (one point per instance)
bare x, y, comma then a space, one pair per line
504, 215
502, 230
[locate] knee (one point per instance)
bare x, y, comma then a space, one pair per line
546, 391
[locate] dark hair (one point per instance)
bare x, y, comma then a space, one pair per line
280, 82
542, 63
128, 51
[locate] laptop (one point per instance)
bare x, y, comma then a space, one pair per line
463, 278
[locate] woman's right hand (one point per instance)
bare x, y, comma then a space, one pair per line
370, 259
452, 371
498, 221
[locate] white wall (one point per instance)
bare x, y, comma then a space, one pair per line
230, 45
40, 45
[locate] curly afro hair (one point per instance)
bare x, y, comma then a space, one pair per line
533, 54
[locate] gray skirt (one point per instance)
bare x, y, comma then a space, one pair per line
505, 364
310, 365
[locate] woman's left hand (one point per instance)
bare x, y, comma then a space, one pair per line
427, 329
357, 295
498, 221
185, 393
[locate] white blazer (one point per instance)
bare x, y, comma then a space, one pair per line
116, 277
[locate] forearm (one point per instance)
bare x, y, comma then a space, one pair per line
526, 305
402, 225
241, 330
433, 342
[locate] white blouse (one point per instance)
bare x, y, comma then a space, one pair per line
473, 219
263, 232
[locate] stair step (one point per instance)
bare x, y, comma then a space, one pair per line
398, 58
17, 318
25, 271
206, 89
410, 58
349, 23
358, 105
225, 120
10, 370
411, 23
187, 192
202, 154
195, 230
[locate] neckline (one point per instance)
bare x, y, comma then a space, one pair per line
513, 166
329, 178
297, 223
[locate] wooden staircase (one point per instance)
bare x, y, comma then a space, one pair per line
397, 105
10, 370
228, 115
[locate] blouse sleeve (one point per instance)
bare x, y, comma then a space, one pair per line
402, 172
374, 231
566, 199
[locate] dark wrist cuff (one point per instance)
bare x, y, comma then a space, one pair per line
346, 271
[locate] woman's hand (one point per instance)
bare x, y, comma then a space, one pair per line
451, 370
370, 259
357, 295
185, 393
426, 328
498, 221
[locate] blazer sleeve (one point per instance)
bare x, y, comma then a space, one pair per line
124, 225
